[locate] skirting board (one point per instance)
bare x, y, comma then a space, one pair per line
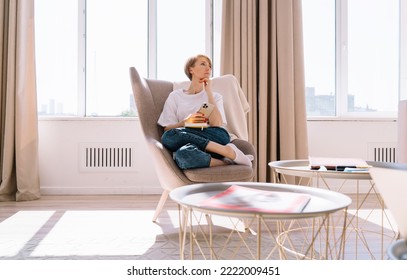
66, 190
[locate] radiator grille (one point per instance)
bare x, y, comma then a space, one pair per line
106, 157
383, 152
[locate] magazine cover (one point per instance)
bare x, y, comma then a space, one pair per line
248, 199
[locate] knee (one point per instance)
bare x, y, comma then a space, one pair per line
168, 139
225, 140
220, 135
167, 135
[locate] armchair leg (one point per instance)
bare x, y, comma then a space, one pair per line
160, 204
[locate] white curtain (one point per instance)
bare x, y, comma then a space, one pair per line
19, 172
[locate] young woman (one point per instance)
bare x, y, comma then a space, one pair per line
196, 147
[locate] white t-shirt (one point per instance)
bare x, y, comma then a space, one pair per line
179, 105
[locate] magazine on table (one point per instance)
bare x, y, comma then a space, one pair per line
266, 201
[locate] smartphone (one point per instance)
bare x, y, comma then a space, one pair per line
206, 109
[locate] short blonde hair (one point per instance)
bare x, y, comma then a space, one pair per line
191, 63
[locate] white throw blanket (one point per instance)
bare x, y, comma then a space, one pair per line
234, 102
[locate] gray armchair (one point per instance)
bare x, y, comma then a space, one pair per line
150, 96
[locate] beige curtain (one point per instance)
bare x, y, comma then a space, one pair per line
262, 46
18, 109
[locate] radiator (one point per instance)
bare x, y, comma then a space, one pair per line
383, 152
103, 157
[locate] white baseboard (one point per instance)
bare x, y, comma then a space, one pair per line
70, 190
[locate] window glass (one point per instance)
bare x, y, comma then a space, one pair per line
56, 44
319, 56
351, 51
116, 39
217, 29
373, 55
180, 34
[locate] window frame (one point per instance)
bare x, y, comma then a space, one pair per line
341, 67
403, 51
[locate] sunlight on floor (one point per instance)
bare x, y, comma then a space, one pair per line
90, 233
80, 233
19, 229
375, 216
130, 234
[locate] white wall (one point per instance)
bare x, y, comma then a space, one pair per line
59, 157
349, 138
352, 139
60, 141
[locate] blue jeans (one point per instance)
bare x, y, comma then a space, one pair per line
189, 144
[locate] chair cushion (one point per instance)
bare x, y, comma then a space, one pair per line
228, 173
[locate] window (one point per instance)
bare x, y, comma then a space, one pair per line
172, 47
116, 38
84, 49
352, 56
56, 46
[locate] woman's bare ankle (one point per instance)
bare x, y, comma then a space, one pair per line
230, 152
217, 162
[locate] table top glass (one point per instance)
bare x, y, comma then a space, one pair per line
322, 201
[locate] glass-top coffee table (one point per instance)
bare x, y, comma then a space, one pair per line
225, 233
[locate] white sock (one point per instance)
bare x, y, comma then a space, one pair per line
241, 158
228, 161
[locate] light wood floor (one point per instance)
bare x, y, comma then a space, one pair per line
120, 227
